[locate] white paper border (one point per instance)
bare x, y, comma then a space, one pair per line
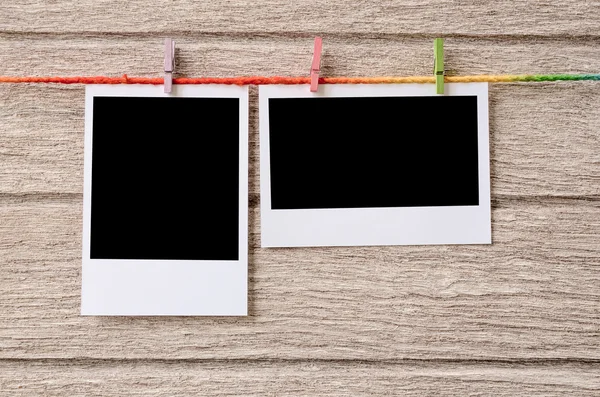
166, 287
375, 226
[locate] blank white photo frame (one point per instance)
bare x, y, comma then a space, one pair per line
445, 139
143, 258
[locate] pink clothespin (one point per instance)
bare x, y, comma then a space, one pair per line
315, 69
169, 64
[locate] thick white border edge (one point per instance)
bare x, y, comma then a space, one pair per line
166, 288
375, 226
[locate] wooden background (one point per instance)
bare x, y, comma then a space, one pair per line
519, 317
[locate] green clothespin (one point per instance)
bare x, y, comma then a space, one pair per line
438, 66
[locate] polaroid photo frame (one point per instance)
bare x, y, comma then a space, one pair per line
319, 153
155, 166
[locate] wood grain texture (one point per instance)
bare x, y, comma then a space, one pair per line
519, 317
442, 17
287, 55
274, 378
532, 294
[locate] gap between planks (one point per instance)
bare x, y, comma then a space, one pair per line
558, 38
524, 362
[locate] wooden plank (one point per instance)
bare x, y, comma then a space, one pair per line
75, 55
90, 378
544, 139
541, 143
442, 17
532, 294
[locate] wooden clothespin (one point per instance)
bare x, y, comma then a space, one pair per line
438, 65
315, 68
169, 64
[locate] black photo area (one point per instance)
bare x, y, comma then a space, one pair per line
165, 178
373, 152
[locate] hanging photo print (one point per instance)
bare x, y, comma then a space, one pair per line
379, 164
165, 224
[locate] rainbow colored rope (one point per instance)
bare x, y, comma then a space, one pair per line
261, 80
